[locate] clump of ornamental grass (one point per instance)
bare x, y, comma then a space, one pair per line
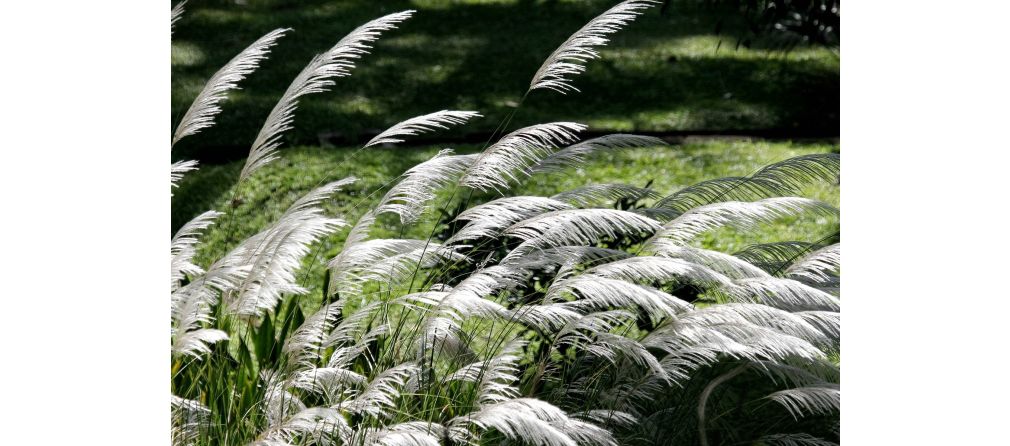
556, 320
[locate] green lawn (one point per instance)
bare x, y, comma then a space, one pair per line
663, 73
300, 169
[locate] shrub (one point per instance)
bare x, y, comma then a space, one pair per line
587, 317
782, 24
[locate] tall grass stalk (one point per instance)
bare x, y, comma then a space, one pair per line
589, 317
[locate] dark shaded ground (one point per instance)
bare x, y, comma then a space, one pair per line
662, 74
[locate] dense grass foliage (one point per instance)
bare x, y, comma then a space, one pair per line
664, 169
673, 71
509, 293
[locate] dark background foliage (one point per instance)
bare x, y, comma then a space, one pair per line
672, 72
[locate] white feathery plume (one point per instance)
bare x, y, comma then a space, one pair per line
440, 329
484, 283
440, 338
577, 154
791, 324
344, 356
489, 219
422, 124
177, 11
184, 247
775, 256
369, 252
410, 196
528, 420
316, 77
496, 377
471, 298
828, 322
686, 227
196, 343
304, 346
698, 339
786, 294
189, 233
332, 382
815, 400
819, 268
411, 433
663, 215
797, 373
593, 288
728, 265
360, 231
635, 394
399, 268
191, 308
512, 208
383, 390
592, 332
596, 293
608, 417
712, 191
520, 419
565, 259
278, 403
467, 299
545, 318
430, 298
514, 155
780, 179
694, 346
351, 327
605, 193
570, 58
660, 270
768, 343
321, 423
324, 424
440, 287
789, 176
270, 442
316, 197
200, 114
581, 226
275, 253
576, 227
221, 277
187, 418
179, 168
348, 269
585, 433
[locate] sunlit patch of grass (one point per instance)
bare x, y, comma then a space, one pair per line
356, 104
186, 54
663, 73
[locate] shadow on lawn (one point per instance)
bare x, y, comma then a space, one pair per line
656, 75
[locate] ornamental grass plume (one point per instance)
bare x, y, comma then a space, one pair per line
555, 320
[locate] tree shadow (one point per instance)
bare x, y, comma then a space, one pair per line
662, 73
